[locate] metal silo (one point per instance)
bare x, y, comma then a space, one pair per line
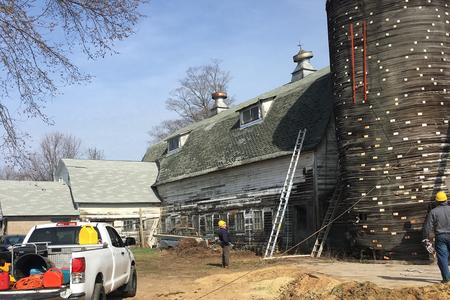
391, 83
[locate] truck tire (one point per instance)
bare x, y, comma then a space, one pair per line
99, 292
130, 288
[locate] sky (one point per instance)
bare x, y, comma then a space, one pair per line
254, 40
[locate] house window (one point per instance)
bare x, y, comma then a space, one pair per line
173, 144
257, 220
240, 222
250, 115
130, 225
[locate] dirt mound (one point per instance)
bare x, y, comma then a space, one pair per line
190, 247
309, 286
370, 291
315, 287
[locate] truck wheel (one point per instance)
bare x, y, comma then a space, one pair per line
129, 289
99, 292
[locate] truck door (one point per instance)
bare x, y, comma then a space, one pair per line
121, 258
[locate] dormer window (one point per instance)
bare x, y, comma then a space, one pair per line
251, 115
173, 144
255, 112
176, 142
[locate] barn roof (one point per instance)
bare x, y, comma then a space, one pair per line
108, 181
218, 142
35, 198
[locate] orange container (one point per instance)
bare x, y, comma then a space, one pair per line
53, 278
88, 235
4, 281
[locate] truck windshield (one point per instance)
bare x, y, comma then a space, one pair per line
67, 235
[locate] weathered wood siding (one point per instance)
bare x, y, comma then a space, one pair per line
247, 197
256, 179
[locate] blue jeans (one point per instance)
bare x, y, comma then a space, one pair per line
442, 250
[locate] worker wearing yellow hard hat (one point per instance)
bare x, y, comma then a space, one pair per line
441, 196
438, 223
225, 243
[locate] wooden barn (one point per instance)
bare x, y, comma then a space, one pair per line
233, 165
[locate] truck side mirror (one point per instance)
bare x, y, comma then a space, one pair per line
130, 241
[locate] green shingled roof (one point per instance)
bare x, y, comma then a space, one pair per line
218, 142
35, 198
110, 181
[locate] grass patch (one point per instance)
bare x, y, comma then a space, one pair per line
145, 251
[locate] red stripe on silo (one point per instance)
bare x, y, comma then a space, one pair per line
352, 40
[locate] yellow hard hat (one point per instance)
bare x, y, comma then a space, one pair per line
441, 196
222, 223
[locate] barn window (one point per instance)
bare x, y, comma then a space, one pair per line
250, 115
173, 143
267, 222
202, 224
216, 219
240, 222
209, 225
195, 223
257, 220
231, 222
169, 224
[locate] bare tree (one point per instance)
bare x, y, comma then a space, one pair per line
9, 173
42, 164
36, 38
95, 154
166, 128
192, 100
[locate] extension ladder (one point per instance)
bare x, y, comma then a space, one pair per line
327, 221
285, 193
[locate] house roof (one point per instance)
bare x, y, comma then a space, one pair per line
35, 198
218, 142
107, 181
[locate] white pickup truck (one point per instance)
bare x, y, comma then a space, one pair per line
95, 269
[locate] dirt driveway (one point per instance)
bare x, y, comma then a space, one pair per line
168, 275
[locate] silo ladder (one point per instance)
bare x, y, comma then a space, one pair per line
285, 193
327, 221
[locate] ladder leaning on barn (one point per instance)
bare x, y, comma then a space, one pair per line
327, 221
285, 193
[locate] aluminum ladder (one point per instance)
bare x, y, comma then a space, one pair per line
327, 221
285, 193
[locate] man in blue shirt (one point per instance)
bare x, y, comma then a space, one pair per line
438, 222
225, 243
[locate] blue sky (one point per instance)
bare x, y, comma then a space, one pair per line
255, 40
